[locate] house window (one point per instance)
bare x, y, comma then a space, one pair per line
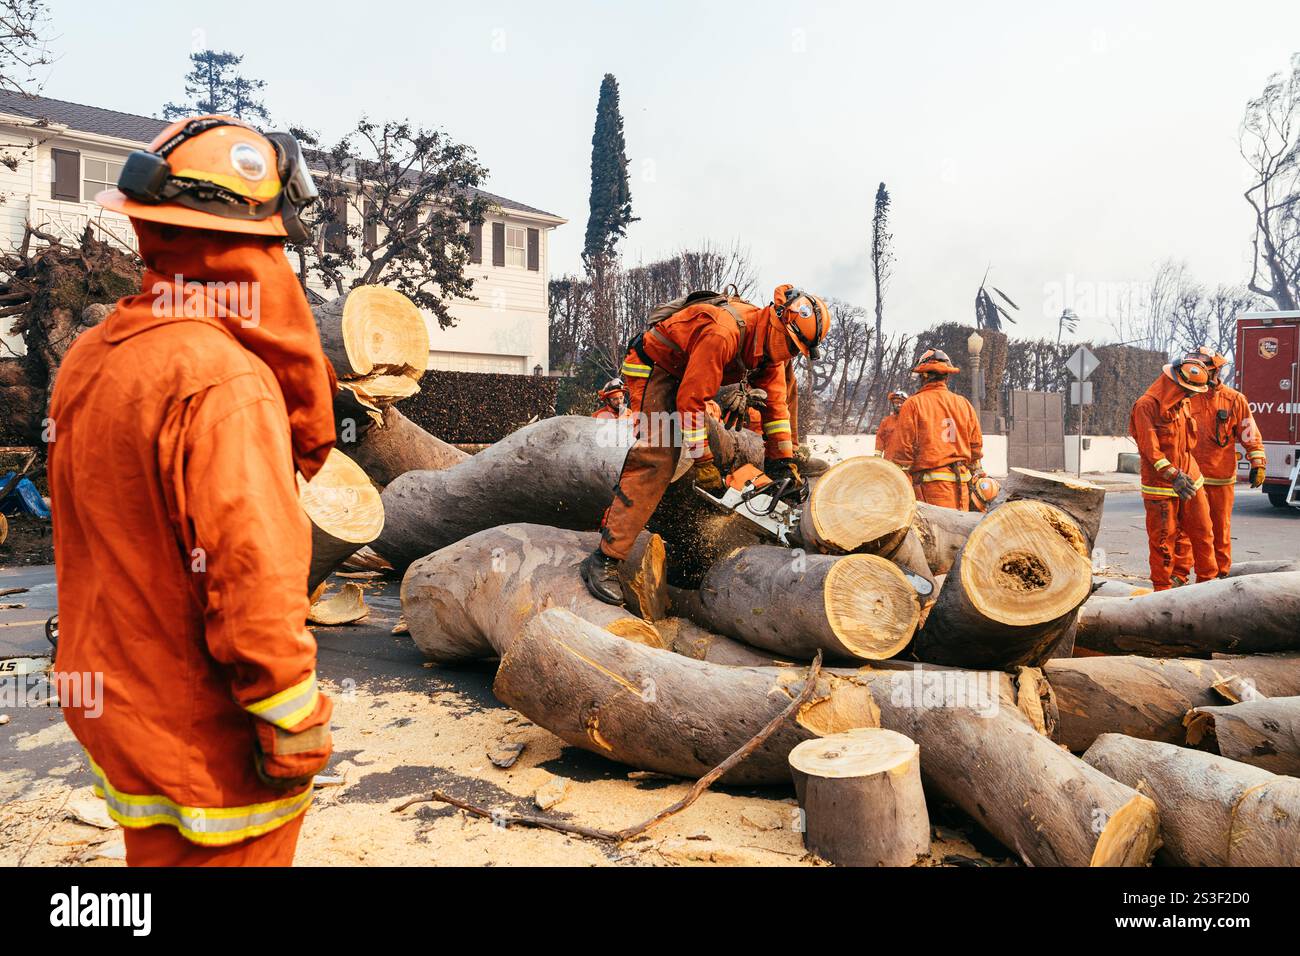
100, 174
516, 246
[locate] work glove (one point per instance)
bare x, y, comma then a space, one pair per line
977, 471
736, 401
1183, 486
287, 760
1256, 476
779, 469
705, 474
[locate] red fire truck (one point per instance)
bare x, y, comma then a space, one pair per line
1268, 348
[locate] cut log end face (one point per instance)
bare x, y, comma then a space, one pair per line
854, 754
383, 329
344, 607
859, 504
1131, 835
870, 606
1026, 563
341, 501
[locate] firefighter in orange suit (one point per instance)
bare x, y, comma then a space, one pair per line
1177, 511
885, 433
1223, 421
181, 550
937, 439
613, 401
683, 360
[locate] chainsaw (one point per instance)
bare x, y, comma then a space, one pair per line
776, 506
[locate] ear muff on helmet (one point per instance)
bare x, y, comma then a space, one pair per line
1190, 374
936, 361
805, 317
298, 189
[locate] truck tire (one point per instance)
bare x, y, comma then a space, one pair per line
1278, 498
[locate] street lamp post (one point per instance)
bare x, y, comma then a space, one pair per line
974, 345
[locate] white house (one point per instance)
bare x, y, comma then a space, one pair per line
55, 155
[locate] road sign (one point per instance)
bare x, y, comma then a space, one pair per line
1082, 363
1081, 393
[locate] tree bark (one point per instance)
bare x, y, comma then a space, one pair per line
860, 792
470, 599
942, 532
1253, 614
1013, 592
1262, 733
373, 329
1147, 698
345, 512
1213, 811
687, 638
387, 451
858, 606
660, 711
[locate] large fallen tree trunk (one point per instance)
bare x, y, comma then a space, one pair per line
942, 533
1263, 733
656, 710
1245, 615
1013, 592
1213, 811
794, 604
371, 330
345, 512
396, 445
1142, 697
687, 638
470, 599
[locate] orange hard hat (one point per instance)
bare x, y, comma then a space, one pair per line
900, 395
805, 317
216, 172
1208, 357
1190, 374
612, 386
935, 360
985, 489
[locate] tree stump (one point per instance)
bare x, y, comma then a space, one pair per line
861, 797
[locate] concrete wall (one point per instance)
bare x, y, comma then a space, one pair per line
835, 448
1101, 454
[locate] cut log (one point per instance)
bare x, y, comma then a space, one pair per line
690, 640
1080, 499
942, 532
861, 504
345, 512
1213, 811
1263, 733
470, 599
1112, 587
1253, 614
1013, 592
388, 450
656, 710
861, 797
1147, 698
371, 329
1240, 568
793, 604
346, 606
644, 578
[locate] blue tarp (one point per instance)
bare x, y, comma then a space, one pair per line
23, 498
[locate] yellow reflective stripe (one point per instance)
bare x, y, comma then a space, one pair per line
1221, 481
945, 475
780, 425
631, 370
1262, 456
1162, 464
1162, 492
290, 706
207, 826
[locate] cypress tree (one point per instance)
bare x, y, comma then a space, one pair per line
611, 199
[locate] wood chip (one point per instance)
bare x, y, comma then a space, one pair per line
505, 753
551, 793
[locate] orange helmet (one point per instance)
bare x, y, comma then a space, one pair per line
985, 489
1211, 359
898, 398
805, 317
613, 387
215, 172
1191, 374
935, 360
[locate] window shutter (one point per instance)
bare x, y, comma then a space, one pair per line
336, 232
476, 242
66, 182
371, 231
498, 243
534, 252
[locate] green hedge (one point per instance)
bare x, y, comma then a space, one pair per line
479, 407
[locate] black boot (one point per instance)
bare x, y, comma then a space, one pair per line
600, 572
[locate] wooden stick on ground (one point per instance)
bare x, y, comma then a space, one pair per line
627, 833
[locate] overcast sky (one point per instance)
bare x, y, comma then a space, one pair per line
1071, 148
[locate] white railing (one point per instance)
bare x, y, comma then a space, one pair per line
68, 221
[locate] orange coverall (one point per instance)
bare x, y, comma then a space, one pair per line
936, 439
606, 412
1178, 532
182, 554
885, 435
1216, 454
679, 367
